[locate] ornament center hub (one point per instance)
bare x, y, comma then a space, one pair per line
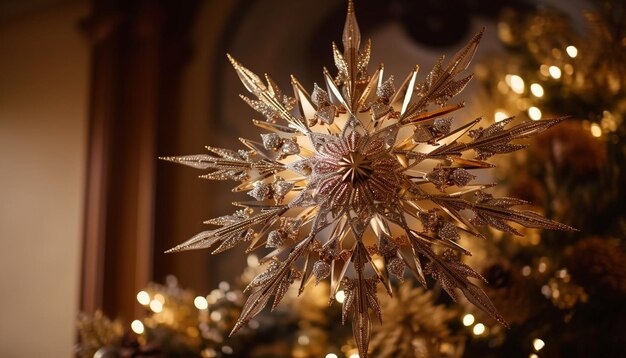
355, 168
355, 172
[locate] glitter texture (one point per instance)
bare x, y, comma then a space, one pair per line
361, 180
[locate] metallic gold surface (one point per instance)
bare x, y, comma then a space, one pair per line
360, 171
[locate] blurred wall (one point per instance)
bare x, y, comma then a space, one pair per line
43, 107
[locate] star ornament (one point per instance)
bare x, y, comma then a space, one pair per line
360, 181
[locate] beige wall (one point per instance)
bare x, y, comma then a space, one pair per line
43, 108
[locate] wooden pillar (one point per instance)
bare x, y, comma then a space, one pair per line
134, 42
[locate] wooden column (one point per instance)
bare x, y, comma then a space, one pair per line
134, 42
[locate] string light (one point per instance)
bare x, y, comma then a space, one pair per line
340, 296
479, 329
533, 355
608, 121
231, 296
216, 316
500, 115
137, 326
517, 84
596, 131
303, 340
555, 72
331, 355
571, 51
217, 294
536, 90
224, 286
201, 303
468, 320
538, 344
143, 298
534, 113
156, 306
252, 261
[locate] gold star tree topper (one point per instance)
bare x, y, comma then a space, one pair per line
359, 181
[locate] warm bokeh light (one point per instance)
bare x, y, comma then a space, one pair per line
156, 306
555, 72
216, 316
303, 340
571, 51
500, 115
536, 90
596, 131
143, 298
217, 294
224, 286
331, 355
517, 84
137, 326
340, 296
534, 113
252, 260
479, 329
159, 297
468, 320
201, 303
538, 344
